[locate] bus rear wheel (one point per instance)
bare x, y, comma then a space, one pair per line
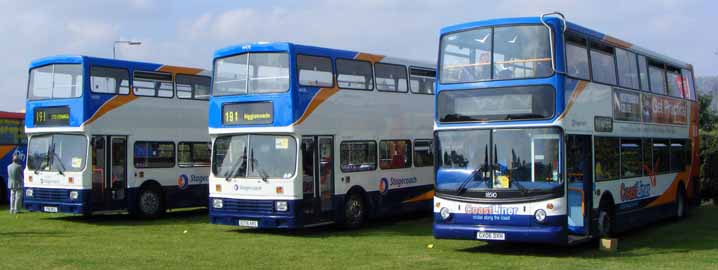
354, 211
149, 203
680, 203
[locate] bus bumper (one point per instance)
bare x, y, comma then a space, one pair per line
57, 201
260, 214
542, 234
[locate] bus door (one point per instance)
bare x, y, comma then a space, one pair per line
579, 175
317, 178
118, 169
109, 171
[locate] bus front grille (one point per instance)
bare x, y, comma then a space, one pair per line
50, 195
249, 206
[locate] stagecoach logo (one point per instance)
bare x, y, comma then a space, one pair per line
383, 185
639, 190
183, 181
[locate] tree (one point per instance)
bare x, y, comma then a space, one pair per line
708, 118
709, 149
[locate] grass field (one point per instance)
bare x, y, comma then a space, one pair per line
184, 240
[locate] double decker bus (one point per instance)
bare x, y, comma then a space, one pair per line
113, 135
547, 131
306, 136
12, 141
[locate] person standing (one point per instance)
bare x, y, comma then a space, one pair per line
14, 173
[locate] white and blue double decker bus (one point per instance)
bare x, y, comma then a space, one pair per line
305, 136
109, 135
547, 131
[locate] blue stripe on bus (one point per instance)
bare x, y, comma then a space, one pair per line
379, 204
192, 196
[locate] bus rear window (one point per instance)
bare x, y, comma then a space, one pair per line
496, 104
55, 81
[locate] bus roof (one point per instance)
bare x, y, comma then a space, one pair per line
288, 46
12, 115
571, 27
78, 59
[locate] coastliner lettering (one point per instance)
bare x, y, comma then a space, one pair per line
490, 210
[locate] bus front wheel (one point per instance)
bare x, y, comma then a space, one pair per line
605, 220
354, 211
150, 203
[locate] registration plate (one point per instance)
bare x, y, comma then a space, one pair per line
249, 223
490, 236
49, 209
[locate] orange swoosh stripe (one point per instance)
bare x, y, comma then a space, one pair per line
4, 149
617, 42
325, 93
429, 195
670, 195
318, 99
113, 103
576, 92
374, 58
178, 69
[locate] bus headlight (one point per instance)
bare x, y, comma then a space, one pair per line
445, 214
74, 195
540, 215
217, 203
28, 192
281, 206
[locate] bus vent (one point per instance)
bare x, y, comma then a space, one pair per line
249, 206
50, 195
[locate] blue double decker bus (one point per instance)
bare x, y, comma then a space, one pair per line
547, 131
306, 136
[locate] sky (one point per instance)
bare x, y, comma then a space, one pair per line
188, 32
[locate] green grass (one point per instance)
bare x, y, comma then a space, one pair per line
45, 241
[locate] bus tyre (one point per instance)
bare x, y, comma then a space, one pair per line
605, 223
354, 211
149, 203
680, 203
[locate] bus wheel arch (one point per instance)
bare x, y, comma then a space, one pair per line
356, 207
150, 200
606, 215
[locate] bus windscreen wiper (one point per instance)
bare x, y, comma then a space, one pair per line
236, 166
53, 156
521, 187
462, 188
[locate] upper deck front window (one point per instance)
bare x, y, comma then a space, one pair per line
495, 53
55, 81
251, 73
